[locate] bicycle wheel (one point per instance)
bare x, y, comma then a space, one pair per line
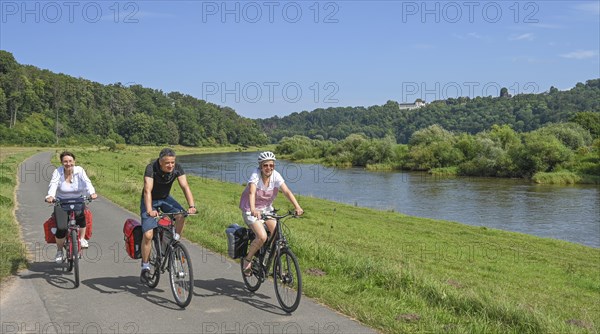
75, 256
288, 280
252, 282
69, 258
181, 275
155, 261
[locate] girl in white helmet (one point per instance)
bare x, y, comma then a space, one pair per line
258, 196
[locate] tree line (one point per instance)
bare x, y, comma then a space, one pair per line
524, 113
37, 107
569, 149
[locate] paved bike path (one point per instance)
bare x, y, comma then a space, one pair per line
110, 298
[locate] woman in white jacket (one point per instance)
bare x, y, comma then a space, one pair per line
69, 182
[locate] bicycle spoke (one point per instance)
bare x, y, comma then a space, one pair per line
253, 281
68, 257
286, 271
154, 263
288, 280
75, 256
181, 275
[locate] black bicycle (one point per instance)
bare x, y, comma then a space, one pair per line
72, 245
286, 270
168, 254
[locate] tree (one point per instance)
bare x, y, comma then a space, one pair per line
7, 62
3, 107
504, 136
433, 133
541, 153
138, 129
190, 132
587, 120
572, 135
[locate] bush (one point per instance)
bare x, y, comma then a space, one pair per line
111, 144
541, 153
571, 135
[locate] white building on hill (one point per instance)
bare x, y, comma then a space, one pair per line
417, 104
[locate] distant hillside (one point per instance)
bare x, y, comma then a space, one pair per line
525, 112
37, 104
32, 100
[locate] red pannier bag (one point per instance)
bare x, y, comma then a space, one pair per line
48, 233
132, 232
51, 224
164, 222
88, 223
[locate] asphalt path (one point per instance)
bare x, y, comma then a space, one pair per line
111, 299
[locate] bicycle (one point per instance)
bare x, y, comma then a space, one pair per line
72, 245
286, 270
168, 254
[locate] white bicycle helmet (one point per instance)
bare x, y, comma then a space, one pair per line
267, 155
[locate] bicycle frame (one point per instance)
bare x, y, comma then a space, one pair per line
285, 268
164, 235
170, 255
275, 243
73, 247
72, 226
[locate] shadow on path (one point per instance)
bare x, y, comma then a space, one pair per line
237, 290
55, 274
130, 284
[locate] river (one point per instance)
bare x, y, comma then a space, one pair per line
570, 213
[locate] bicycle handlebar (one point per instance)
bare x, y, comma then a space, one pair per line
274, 215
78, 200
173, 214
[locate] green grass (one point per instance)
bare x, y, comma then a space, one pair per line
384, 167
565, 177
13, 253
396, 273
444, 171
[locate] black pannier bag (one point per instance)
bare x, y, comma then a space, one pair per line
237, 241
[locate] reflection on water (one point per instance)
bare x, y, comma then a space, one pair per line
568, 213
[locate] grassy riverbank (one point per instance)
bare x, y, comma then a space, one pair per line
563, 153
13, 255
394, 272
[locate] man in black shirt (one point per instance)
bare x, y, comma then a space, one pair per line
158, 179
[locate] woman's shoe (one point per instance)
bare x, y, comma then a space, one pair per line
60, 258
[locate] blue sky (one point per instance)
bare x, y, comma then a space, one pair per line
267, 58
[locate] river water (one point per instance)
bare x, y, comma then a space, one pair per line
570, 213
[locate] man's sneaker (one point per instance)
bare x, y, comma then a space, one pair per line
83, 243
59, 257
145, 276
176, 236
